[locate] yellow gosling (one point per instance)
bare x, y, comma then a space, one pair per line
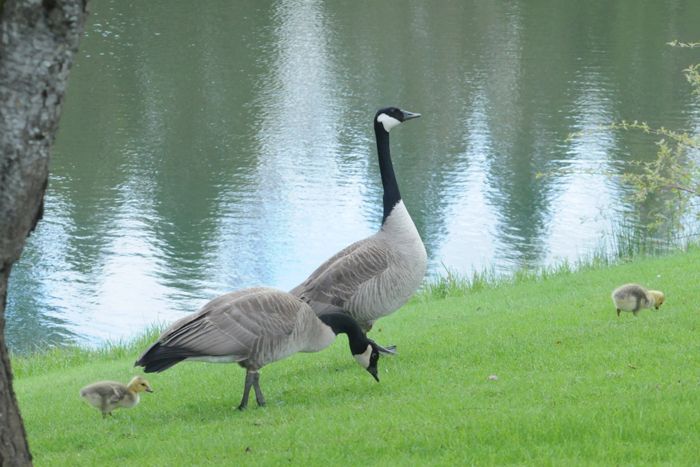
109, 395
634, 297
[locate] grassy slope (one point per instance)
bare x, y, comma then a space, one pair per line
575, 384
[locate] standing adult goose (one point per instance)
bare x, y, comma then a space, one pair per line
254, 327
373, 277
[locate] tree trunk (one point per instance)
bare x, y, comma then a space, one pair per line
38, 40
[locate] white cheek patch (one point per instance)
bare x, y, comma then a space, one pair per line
363, 358
387, 121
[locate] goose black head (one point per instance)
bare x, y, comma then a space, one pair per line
389, 117
369, 358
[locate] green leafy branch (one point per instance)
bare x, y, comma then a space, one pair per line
673, 177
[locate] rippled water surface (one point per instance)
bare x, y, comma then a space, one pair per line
209, 146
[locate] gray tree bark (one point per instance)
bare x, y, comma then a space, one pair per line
38, 40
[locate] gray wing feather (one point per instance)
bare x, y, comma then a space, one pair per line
335, 282
233, 324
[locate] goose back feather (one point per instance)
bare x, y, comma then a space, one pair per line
372, 277
252, 327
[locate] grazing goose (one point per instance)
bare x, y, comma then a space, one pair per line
254, 327
373, 277
109, 395
633, 297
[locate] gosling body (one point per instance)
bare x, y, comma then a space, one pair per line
106, 396
634, 297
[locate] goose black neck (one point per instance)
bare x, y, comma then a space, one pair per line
341, 323
386, 168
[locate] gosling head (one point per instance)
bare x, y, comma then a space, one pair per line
369, 358
387, 118
139, 384
658, 297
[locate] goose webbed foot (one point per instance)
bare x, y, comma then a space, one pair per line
385, 350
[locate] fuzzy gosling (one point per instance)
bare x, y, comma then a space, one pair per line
109, 395
633, 297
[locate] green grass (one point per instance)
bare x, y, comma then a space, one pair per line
574, 384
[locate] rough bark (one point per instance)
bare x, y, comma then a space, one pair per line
38, 40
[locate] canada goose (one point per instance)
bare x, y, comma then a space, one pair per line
109, 395
633, 297
254, 327
375, 276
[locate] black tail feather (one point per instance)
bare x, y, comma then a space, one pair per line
158, 358
157, 366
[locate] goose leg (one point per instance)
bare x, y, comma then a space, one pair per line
258, 393
249, 380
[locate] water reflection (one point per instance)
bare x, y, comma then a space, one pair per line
35, 314
471, 224
579, 217
308, 178
210, 147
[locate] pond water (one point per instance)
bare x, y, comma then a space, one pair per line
210, 146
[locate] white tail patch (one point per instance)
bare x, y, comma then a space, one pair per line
387, 121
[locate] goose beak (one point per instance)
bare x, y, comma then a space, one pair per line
409, 115
149, 390
373, 371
